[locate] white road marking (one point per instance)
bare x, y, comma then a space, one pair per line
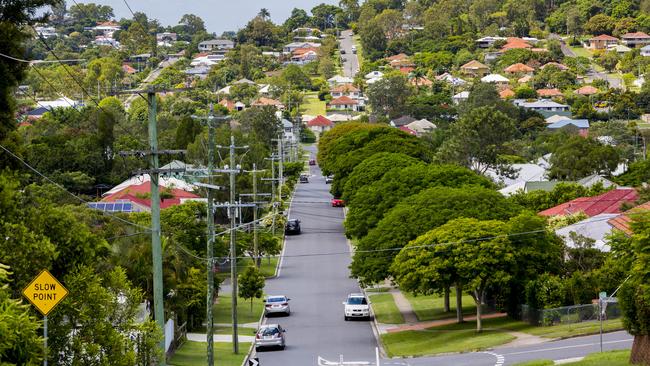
500, 358
568, 360
567, 347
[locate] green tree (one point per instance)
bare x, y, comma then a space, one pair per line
251, 284
297, 19
600, 24
192, 25
608, 60
324, 15
416, 215
89, 14
579, 157
473, 253
478, 139
373, 40
388, 96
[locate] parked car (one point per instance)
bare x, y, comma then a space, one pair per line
343, 51
292, 227
329, 179
277, 305
270, 335
304, 178
312, 161
356, 306
354, 49
337, 202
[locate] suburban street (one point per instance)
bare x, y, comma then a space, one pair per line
317, 285
351, 63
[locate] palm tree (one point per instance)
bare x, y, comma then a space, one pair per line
264, 13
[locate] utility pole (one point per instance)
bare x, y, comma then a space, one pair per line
273, 158
209, 120
256, 252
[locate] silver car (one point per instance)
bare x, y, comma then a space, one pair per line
270, 335
277, 305
356, 306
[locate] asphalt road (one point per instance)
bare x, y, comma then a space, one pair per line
317, 286
351, 63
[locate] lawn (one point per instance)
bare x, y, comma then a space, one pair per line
357, 42
431, 307
218, 329
449, 338
312, 105
582, 52
244, 315
267, 268
385, 309
611, 358
572, 330
193, 353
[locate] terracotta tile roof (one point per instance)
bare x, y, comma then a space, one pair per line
515, 43
302, 51
587, 90
608, 202
635, 35
132, 192
423, 81
267, 101
406, 69
517, 68
344, 88
604, 37
506, 93
401, 56
320, 121
549, 93
525, 79
128, 69
474, 65
344, 100
623, 222
228, 104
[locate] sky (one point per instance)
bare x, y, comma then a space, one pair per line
218, 15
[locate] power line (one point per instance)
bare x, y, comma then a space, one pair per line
31, 62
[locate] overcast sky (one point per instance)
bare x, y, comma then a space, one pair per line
219, 15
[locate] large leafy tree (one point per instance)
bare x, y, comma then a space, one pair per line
251, 284
373, 201
579, 157
415, 216
329, 140
388, 96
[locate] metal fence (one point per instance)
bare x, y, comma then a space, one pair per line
570, 314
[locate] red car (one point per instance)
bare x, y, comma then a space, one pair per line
312, 162
337, 202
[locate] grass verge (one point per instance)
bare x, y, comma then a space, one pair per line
582, 52
267, 267
312, 105
385, 310
611, 358
222, 310
219, 329
431, 307
356, 40
193, 353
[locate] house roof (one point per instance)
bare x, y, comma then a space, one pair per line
596, 228
623, 222
604, 37
340, 79
145, 178
594, 179
525, 79
374, 74
543, 103
320, 121
398, 57
506, 93
608, 202
515, 43
587, 90
474, 65
635, 35
344, 88
402, 121
518, 67
543, 185
421, 126
344, 100
128, 69
132, 192
262, 101
228, 104
407, 130
461, 95
494, 78
303, 50
423, 81
579, 123
549, 93
244, 81
556, 64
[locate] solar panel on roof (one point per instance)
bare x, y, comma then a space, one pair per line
118, 207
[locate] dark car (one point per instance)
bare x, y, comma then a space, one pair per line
304, 179
312, 162
329, 179
292, 227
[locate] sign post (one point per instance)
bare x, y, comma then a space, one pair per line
601, 298
45, 292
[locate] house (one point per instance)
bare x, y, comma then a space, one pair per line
475, 69
374, 75
46, 32
618, 48
608, 202
556, 64
289, 48
528, 172
586, 90
487, 42
519, 68
460, 97
525, 79
542, 105
516, 43
622, 222
229, 104
338, 79
106, 41
128, 69
166, 39
345, 90
418, 82
345, 103
601, 42
448, 78
206, 59
263, 102
549, 93
506, 94
36, 113
398, 57
495, 79
106, 28
244, 81
581, 124
304, 57
63, 102
407, 130
134, 198
597, 228
421, 127
645, 51
216, 45
199, 71
143, 57
594, 179
402, 121
636, 39
320, 124
372, 81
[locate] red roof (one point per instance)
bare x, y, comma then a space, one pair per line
407, 130
401, 56
133, 192
622, 222
345, 88
518, 67
514, 42
128, 69
320, 121
343, 100
604, 37
549, 93
406, 69
587, 90
635, 35
608, 202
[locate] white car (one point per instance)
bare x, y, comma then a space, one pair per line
356, 306
277, 305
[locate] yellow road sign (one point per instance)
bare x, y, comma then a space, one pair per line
45, 292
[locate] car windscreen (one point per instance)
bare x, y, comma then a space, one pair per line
269, 331
357, 301
276, 299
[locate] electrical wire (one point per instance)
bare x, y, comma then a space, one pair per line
31, 62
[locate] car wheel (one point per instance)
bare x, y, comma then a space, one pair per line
282, 347
257, 349
346, 318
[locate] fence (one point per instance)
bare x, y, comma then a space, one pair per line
570, 314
